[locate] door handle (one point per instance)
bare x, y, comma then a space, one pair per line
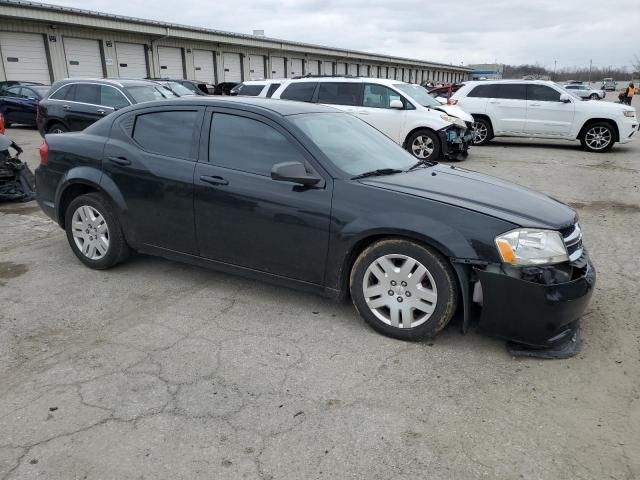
66, 107
215, 180
100, 111
534, 104
493, 101
120, 161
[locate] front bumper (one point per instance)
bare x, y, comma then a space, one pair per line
628, 129
539, 315
455, 143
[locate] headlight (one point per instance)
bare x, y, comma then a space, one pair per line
629, 113
531, 247
445, 117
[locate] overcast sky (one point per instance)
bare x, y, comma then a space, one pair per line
461, 31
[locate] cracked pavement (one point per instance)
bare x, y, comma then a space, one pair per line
158, 370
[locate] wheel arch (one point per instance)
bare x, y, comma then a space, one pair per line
417, 129
591, 121
53, 121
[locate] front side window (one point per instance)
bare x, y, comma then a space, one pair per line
111, 97
515, 91
542, 93
150, 132
86, 93
350, 144
337, 93
300, 91
379, 96
248, 145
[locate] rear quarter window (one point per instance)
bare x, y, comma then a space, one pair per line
301, 92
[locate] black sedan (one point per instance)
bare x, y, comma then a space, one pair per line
309, 197
19, 103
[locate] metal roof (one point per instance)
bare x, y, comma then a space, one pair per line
58, 9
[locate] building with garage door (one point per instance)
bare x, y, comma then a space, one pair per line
45, 43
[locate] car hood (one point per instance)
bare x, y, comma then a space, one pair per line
480, 193
598, 106
454, 111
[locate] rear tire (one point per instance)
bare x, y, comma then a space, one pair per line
594, 96
482, 131
94, 232
403, 290
57, 128
598, 137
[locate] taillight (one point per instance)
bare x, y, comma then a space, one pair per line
44, 154
1, 124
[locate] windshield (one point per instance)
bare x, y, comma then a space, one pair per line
352, 145
418, 93
149, 93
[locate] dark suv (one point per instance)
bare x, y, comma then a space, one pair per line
73, 105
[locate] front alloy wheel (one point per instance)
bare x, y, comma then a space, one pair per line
403, 289
598, 137
424, 145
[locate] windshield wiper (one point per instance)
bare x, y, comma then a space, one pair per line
422, 163
377, 173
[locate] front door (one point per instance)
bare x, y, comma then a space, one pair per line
546, 115
245, 218
150, 157
375, 109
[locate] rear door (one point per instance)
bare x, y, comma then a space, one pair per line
154, 173
508, 107
82, 106
245, 218
546, 114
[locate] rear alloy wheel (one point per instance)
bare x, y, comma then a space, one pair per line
57, 128
424, 145
94, 233
482, 131
598, 137
403, 290
594, 96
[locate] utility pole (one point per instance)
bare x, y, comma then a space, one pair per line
590, 65
555, 65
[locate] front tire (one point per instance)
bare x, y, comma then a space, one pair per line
424, 145
482, 131
403, 290
598, 137
594, 96
94, 232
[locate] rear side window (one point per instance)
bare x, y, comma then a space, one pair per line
86, 93
250, 90
61, 93
248, 145
484, 91
512, 91
150, 132
272, 88
542, 93
301, 91
339, 93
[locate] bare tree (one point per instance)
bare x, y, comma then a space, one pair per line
635, 63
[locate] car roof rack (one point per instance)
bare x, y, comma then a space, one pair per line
309, 75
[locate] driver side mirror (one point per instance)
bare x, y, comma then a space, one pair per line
396, 104
293, 172
565, 98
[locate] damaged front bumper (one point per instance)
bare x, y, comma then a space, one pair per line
455, 142
538, 309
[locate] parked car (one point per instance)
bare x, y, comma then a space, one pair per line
585, 92
609, 84
18, 103
74, 104
404, 112
10, 83
543, 109
308, 196
224, 88
257, 88
197, 88
444, 92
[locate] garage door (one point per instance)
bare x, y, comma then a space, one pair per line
277, 67
203, 66
131, 60
295, 69
312, 67
256, 67
341, 68
353, 69
24, 57
170, 61
83, 58
363, 70
327, 68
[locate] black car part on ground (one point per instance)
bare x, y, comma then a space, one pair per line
17, 182
455, 142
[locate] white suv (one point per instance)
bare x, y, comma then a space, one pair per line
404, 112
539, 109
257, 88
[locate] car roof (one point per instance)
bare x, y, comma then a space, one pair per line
347, 79
279, 107
120, 82
266, 81
492, 82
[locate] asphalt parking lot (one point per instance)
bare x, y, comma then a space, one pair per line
162, 370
